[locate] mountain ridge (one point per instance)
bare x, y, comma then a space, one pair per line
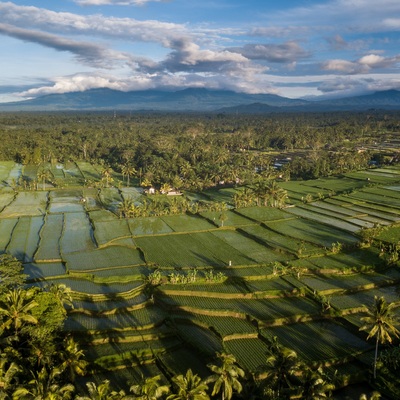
198, 99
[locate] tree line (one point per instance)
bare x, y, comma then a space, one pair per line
196, 151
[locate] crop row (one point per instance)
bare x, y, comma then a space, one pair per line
26, 204
331, 222
250, 353
312, 231
225, 326
25, 238
259, 252
45, 270
105, 258
371, 210
76, 235
202, 339
49, 245
84, 287
330, 340
281, 243
6, 197
136, 319
261, 309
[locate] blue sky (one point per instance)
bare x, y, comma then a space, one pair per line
291, 48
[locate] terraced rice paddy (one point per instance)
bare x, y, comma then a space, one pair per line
233, 287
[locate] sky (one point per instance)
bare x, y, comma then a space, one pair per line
292, 48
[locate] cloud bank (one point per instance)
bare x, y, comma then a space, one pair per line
128, 53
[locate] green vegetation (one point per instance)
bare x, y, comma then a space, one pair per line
248, 279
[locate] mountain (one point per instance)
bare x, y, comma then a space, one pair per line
198, 99
383, 100
387, 99
193, 99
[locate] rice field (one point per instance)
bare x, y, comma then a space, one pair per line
281, 243
334, 341
105, 258
251, 353
312, 231
26, 204
77, 233
274, 263
25, 238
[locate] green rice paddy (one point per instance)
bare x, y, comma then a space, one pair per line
272, 265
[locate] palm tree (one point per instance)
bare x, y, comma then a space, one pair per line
226, 376
7, 373
16, 309
128, 171
44, 175
190, 387
276, 195
126, 208
72, 359
260, 191
43, 386
149, 389
223, 217
165, 188
314, 386
102, 392
106, 174
279, 370
62, 293
380, 322
374, 396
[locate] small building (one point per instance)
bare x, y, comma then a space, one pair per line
174, 192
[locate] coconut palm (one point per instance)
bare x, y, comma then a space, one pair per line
44, 175
102, 392
275, 194
44, 386
106, 174
189, 387
7, 374
314, 385
149, 389
72, 359
279, 371
223, 217
16, 309
260, 191
374, 396
128, 171
380, 322
165, 188
62, 293
126, 208
226, 377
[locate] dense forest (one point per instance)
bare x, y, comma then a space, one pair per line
198, 151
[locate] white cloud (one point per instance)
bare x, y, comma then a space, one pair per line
129, 29
362, 65
87, 53
377, 61
82, 82
343, 66
280, 53
351, 86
